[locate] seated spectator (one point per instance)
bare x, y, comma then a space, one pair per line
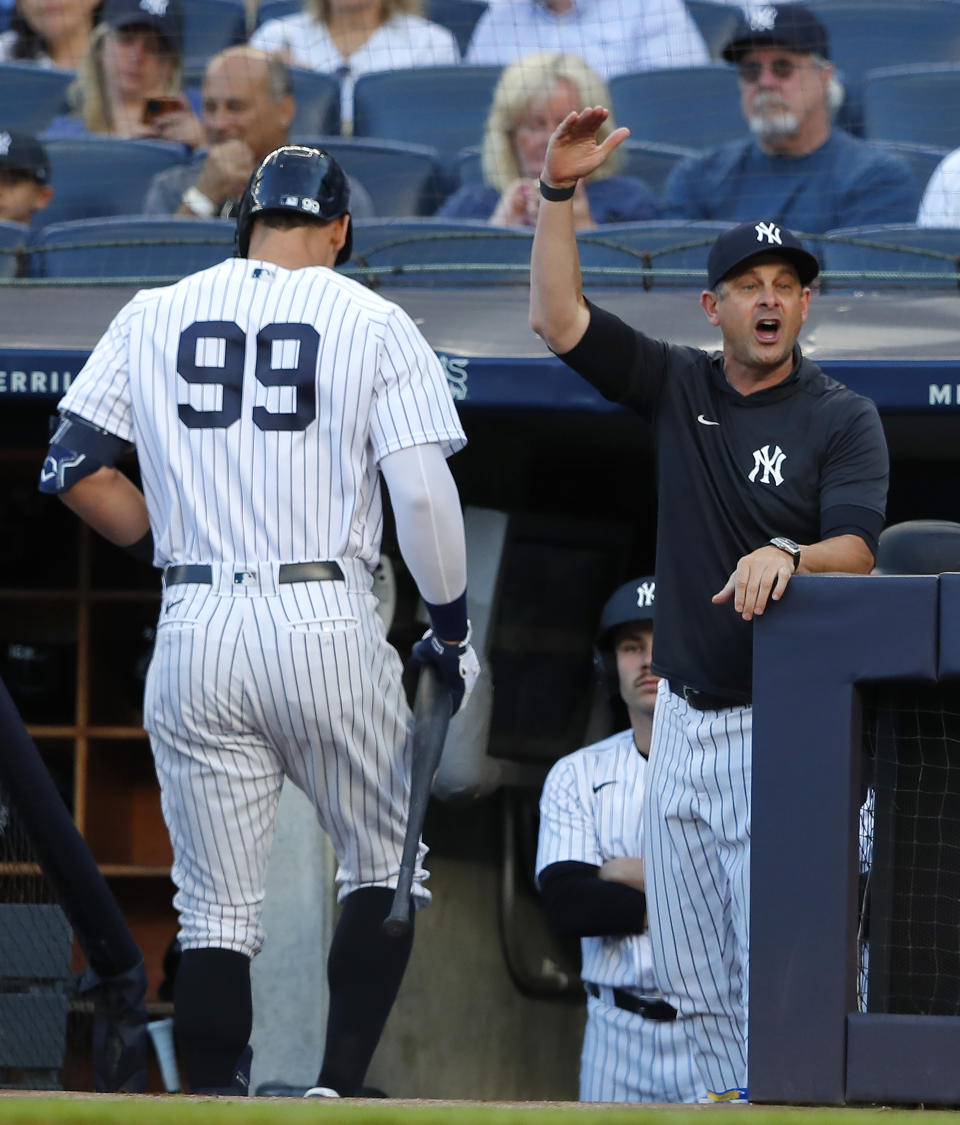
940, 206
796, 169
531, 99
248, 106
24, 177
351, 37
130, 81
50, 35
612, 36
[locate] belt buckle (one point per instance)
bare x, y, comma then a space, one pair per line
689, 695
245, 578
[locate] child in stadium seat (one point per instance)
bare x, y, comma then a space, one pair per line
129, 83
24, 177
532, 97
350, 37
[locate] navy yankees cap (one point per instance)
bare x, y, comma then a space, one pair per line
633, 601
738, 245
778, 25
164, 16
20, 152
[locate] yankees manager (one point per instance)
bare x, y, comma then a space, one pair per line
766, 468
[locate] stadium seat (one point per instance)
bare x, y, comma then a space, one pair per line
318, 103
431, 252
459, 16
892, 250
889, 33
12, 237
915, 103
31, 96
696, 107
919, 547
923, 159
648, 161
401, 179
715, 23
442, 106
97, 176
657, 253
277, 9
210, 26
130, 246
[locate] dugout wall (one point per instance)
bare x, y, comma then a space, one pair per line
832, 642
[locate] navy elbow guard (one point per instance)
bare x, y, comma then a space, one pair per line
77, 449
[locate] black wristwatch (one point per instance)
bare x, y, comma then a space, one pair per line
782, 543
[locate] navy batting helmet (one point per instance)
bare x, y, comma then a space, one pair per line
300, 178
631, 602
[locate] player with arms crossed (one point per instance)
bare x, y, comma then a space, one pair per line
591, 875
265, 396
766, 468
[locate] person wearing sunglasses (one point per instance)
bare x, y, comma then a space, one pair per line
796, 165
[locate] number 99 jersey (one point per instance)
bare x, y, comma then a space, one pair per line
261, 400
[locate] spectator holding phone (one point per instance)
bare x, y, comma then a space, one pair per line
130, 80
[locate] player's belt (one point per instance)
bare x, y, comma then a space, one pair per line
704, 700
650, 1007
202, 573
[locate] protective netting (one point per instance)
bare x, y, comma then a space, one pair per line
910, 850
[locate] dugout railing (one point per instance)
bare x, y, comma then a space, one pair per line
834, 642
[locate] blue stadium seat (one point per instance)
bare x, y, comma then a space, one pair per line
401, 179
648, 161
97, 176
915, 103
318, 103
923, 159
210, 26
889, 33
715, 23
31, 96
277, 9
459, 16
892, 249
431, 252
442, 106
12, 237
143, 246
654, 254
695, 107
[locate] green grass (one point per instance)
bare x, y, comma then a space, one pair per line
90, 1109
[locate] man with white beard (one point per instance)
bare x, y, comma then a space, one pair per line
795, 167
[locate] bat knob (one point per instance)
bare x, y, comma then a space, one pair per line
396, 927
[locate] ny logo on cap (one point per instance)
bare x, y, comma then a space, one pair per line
154, 7
763, 19
770, 232
5, 142
645, 594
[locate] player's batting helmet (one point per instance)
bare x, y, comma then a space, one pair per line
301, 178
633, 601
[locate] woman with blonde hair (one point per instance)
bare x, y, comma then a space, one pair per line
532, 97
129, 84
350, 37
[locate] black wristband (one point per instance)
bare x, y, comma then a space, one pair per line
142, 549
556, 194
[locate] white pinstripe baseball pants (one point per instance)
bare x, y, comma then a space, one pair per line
249, 684
696, 837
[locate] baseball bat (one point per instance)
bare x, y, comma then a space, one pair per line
431, 717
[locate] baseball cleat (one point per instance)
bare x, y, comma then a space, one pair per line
726, 1097
321, 1092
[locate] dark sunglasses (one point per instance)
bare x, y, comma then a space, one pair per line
782, 67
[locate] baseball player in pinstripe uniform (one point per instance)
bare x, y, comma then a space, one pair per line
765, 468
265, 396
591, 875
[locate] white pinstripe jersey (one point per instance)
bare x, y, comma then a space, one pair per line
590, 811
260, 401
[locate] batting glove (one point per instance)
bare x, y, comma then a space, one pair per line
457, 664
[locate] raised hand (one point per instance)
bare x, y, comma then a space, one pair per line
573, 151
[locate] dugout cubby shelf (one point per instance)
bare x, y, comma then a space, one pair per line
76, 627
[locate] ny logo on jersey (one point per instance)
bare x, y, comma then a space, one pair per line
645, 594
763, 19
770, 232
5, 142
770, 463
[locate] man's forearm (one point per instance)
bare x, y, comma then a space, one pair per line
558, 312
843, 554
111, 504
